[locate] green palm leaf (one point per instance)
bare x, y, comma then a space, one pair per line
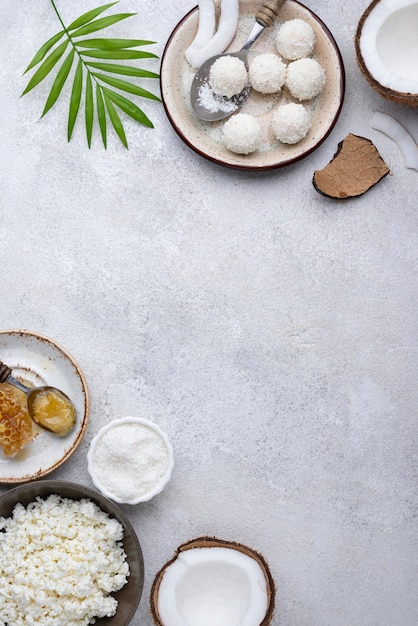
128, 107
46, 66
89, 109
118, 54
125, 70
75, 98
58, 83
99, 24
106, 102
126, 86
115, 119
89, 16
101, 114
43, 50
112, 44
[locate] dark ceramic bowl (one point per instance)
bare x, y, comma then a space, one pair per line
129, 596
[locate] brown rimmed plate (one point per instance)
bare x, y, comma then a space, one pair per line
129, 596
206, 138
41, 361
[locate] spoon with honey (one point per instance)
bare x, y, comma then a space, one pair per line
49, 407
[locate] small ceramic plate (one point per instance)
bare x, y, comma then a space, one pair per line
40, 361
206, 138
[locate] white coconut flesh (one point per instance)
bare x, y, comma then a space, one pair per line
389, 44
213, 587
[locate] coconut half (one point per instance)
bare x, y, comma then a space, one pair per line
210, 582
386, 46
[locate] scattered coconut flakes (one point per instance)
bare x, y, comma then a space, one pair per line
213, 103
295, 39
290, 123
305, 78
394, 130
355, 168
267, 73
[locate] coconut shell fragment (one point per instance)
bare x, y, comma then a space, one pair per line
355, 168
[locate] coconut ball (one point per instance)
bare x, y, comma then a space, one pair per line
290, 122
267, 73
242, 133
305, 78
228, 76
295, 39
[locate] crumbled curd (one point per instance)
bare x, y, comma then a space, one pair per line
60, 560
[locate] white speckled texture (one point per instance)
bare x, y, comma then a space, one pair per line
272, 333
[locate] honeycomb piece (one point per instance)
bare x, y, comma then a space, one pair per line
16, 426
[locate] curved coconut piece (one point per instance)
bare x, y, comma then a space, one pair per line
397, 132
212, 582
386, 49
355, 168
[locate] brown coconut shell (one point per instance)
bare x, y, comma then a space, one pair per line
355, 168
390, 94
213, 542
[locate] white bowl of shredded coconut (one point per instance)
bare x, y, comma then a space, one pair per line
68, 557
130, 460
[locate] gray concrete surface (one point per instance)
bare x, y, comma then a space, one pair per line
272, 333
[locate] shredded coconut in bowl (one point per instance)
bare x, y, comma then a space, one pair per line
242, 133
267, 73
290, 123
295, 39
228, 76
305, 78
60, 560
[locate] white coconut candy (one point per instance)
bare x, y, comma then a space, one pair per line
305, 78
290, 123
242, 133
228, 76
267, 73
295, 39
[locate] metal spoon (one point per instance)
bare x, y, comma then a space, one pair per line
61, 417
221, 107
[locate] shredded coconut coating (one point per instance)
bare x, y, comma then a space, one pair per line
242, 133
305, 78
228, 76
267, 73
130, 460
59, 562
295, 39
291, 123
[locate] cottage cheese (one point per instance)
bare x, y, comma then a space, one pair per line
59, 562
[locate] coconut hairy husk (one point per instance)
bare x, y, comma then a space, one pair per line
390, 94
213, 542
355, 168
